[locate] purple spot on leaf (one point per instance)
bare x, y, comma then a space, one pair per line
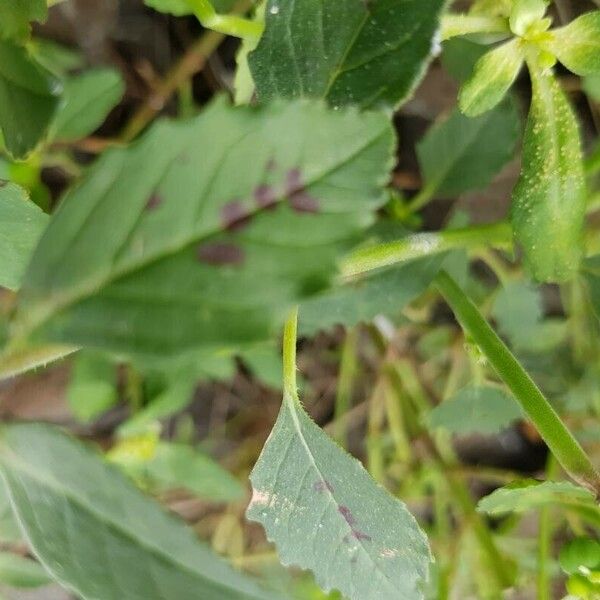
322, 485
265, 196
300, 200
347, 514
234, 215
359, 535
220, 254
154, 201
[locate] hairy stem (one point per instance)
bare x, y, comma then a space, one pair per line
559, 439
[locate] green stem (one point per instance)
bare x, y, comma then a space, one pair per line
348, 367
227, 24
424, 244
561, 442
290, 332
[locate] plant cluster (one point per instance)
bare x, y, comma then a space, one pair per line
190, 243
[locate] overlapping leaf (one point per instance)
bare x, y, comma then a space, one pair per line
97, 535
205, 231
461, 153
28, 99
370, 53
21, 225
15, 16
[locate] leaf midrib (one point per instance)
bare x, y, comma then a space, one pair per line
90, 287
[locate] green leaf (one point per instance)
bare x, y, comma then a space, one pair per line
386, 292
180, 8
92, 387
87, 100
591, 270
21, 225
591, 86
9, 529
99, 536
476, 409
17, 571
494, 73
548, 205
525, 13
518, 312
577, 45
28, 99
16, 14
580, 552
215, 206
529, 494
461, 153
324, 512
347, 51
173, 466
460, 55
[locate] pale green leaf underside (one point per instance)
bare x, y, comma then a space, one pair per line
28, 99
577, 45
371, 53
548, 204
476, 409
206, 230
386, 292
494, 73
325, 513
462, 153
21, 225
531, 495
99, 536
87, 100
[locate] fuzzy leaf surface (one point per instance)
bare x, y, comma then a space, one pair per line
324, 513
209, 228
98, 535
548, 204
348, 51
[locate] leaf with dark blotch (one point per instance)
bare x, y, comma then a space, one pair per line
98, 535
28, 99
366, 52
170, 244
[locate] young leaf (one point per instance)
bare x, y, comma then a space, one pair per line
494, 73
386, 292
347, 51
526, 12
16, 14
87, 100
529, 494
577, 45
99, 536
227, 222
325, 513
21, 225
19, 572
476, 409
548, 205
461, 153
28, 99
580, 552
